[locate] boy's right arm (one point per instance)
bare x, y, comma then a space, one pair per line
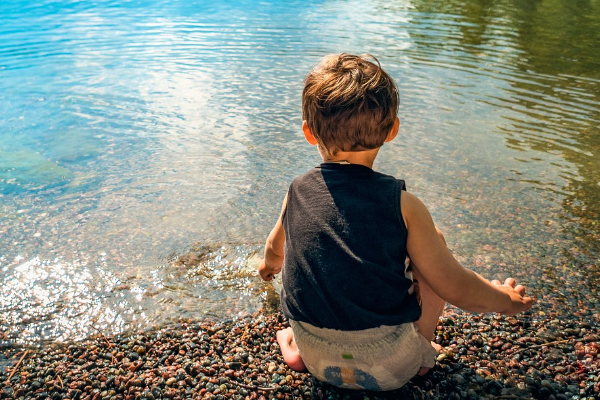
446, 276
273, 261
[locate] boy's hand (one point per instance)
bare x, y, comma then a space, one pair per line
266, 272
519, 302
274, 249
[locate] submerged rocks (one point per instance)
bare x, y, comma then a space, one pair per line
481, 357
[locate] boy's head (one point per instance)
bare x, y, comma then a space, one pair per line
349, 103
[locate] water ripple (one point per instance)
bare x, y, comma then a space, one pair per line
136, 128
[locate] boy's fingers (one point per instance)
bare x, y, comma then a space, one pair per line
528, 302
510, 282
520, 289
266, 277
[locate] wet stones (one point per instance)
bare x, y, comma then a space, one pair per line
482, 357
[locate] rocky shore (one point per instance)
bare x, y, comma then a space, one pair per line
483, 356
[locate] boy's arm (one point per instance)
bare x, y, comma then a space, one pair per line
272, 262
446, 276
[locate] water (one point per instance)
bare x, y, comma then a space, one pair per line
146, 146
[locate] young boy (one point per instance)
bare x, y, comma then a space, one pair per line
362, 313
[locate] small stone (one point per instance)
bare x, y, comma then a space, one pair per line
573, 389
171, 381
261, 380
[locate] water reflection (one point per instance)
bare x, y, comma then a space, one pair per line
547, 53
136, 129
553, 101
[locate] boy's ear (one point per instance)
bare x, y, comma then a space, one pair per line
308, 134
394, 130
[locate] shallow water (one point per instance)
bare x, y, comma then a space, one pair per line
133, 133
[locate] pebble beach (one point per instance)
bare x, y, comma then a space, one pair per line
146, 147
483, 357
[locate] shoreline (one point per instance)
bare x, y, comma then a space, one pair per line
482, 356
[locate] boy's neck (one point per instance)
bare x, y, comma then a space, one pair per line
365, 157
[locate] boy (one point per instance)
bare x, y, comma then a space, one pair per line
362, 313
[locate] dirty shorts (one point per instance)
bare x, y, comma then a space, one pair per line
382, 358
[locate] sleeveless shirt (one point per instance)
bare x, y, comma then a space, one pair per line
345, 250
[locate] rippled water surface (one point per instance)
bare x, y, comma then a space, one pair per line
146, 146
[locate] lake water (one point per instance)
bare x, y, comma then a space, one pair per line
146, 146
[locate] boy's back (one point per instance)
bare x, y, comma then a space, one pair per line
346, 250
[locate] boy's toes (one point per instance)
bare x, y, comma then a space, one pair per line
284, 337
296, 364
289, 350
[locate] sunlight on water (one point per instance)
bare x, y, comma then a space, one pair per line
146, 146
57, 300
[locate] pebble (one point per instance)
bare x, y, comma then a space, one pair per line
482, 356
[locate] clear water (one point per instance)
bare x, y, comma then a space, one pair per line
137, 135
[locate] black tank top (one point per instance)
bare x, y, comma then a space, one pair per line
345, 249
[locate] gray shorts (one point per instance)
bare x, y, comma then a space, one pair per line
382, 358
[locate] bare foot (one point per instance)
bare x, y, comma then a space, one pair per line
289, 350
425, 370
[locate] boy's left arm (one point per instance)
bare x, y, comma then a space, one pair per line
273, 261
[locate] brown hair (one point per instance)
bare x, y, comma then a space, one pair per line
349, 103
